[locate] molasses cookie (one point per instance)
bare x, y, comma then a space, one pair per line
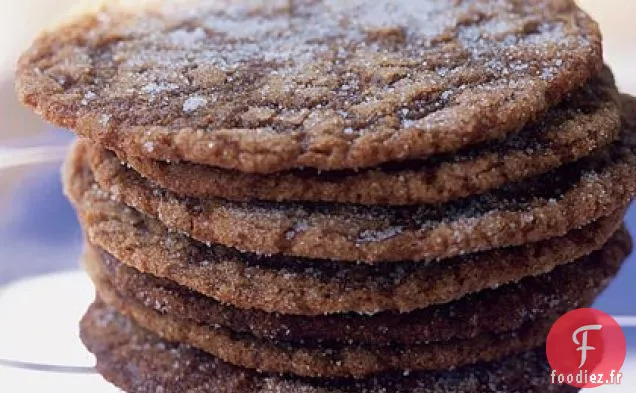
328, 361
539, 208
585, 122
264, 86
139, 361
491, 311
291, 285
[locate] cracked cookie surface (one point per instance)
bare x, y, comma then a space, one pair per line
260, 87
586, 121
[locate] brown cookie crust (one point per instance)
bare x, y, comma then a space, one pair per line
496, 311
628, 109
323, 361
140, 362
587, 121
314, 287
249, 86
539, 208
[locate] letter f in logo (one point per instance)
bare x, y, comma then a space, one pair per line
584, 348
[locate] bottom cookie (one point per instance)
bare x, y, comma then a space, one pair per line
140, 362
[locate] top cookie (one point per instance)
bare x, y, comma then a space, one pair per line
263, 86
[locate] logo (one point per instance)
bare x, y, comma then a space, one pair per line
586, 349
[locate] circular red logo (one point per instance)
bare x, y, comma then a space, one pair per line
586, 349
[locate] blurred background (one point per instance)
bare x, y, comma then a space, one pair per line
38, 232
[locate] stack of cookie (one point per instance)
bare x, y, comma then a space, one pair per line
337, 196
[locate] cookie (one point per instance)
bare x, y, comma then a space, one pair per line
535, 209
327, 361
314, 287
586, 121
628, 108
491, 311
259, 86
140, 362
